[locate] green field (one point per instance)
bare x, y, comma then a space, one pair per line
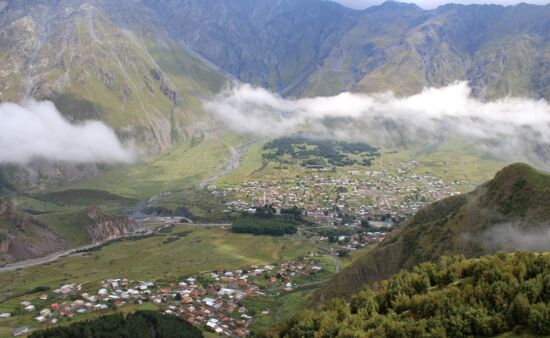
281, 307
204, 249
200, 249
182, 167
201, 203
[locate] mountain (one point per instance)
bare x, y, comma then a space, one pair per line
493, 296
105, 61
510, 212
318, 48
272, 43
499, 50
142, 66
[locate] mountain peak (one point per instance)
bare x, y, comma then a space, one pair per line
395, 5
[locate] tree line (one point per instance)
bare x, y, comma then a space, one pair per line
275, 226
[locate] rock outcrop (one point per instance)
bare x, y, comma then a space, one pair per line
23, 236
104, 227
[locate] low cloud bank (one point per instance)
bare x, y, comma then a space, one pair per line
38, 130
511, 237
510, 128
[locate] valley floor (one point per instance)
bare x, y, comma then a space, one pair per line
205, 180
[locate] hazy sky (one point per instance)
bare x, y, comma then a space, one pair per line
428, 4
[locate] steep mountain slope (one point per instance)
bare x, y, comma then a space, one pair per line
273, 43
142, 64
22, 236
95, 64
399, 47
317, 47
509, 212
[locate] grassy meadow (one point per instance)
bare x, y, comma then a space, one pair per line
204, 248
182, 167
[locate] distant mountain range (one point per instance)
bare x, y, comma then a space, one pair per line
316, 47
143, 66
510, 212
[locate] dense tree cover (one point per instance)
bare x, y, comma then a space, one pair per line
141, 324
274, 226
453, 298
318, 151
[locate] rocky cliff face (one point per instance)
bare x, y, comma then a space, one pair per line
22, 236
105, 227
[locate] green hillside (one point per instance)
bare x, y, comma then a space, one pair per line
457, 297
96, 65
517, 199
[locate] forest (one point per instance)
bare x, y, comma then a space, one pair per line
266, 221
455, 297
143, 324
320, 152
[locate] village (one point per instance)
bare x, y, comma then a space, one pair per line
345, 198
212, 300
346, 211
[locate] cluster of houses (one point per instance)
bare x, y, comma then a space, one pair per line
213, 300
325, 197
65, 302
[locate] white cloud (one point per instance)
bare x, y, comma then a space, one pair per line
509, 127
513, 237
430, 4
38, 130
